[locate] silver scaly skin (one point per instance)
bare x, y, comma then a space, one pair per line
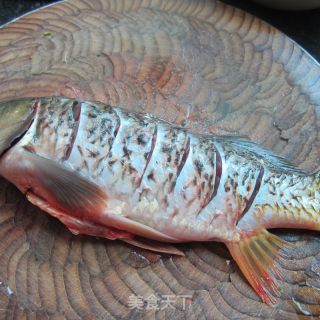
191, 187
108, 172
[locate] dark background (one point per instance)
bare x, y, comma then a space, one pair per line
302, 26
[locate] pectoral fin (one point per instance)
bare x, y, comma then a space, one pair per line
258, 258
64, 189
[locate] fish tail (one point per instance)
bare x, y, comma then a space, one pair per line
259, 256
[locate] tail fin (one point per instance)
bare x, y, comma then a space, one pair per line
259, 258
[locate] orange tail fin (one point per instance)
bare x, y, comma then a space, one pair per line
258, 258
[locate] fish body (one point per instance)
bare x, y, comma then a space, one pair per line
107, 172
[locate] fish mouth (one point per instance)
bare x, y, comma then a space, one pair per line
16, 116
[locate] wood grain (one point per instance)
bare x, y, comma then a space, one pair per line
201, 64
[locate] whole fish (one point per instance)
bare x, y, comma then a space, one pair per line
107, 172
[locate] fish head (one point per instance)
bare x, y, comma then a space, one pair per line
16, 117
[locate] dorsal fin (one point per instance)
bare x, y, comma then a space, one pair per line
260, 153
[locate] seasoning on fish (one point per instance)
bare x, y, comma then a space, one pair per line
107, 172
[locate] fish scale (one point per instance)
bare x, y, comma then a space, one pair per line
236, 187
128, 156
195, 184
295, 201
54, 129
93, 140
159, 179
107, 172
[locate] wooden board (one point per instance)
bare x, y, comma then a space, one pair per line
201, 64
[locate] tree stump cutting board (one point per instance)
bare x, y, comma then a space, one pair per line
201, 64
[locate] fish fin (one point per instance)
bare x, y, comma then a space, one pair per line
66, 190
154, 246
258, 258
260, 152
137, 228
75, 225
